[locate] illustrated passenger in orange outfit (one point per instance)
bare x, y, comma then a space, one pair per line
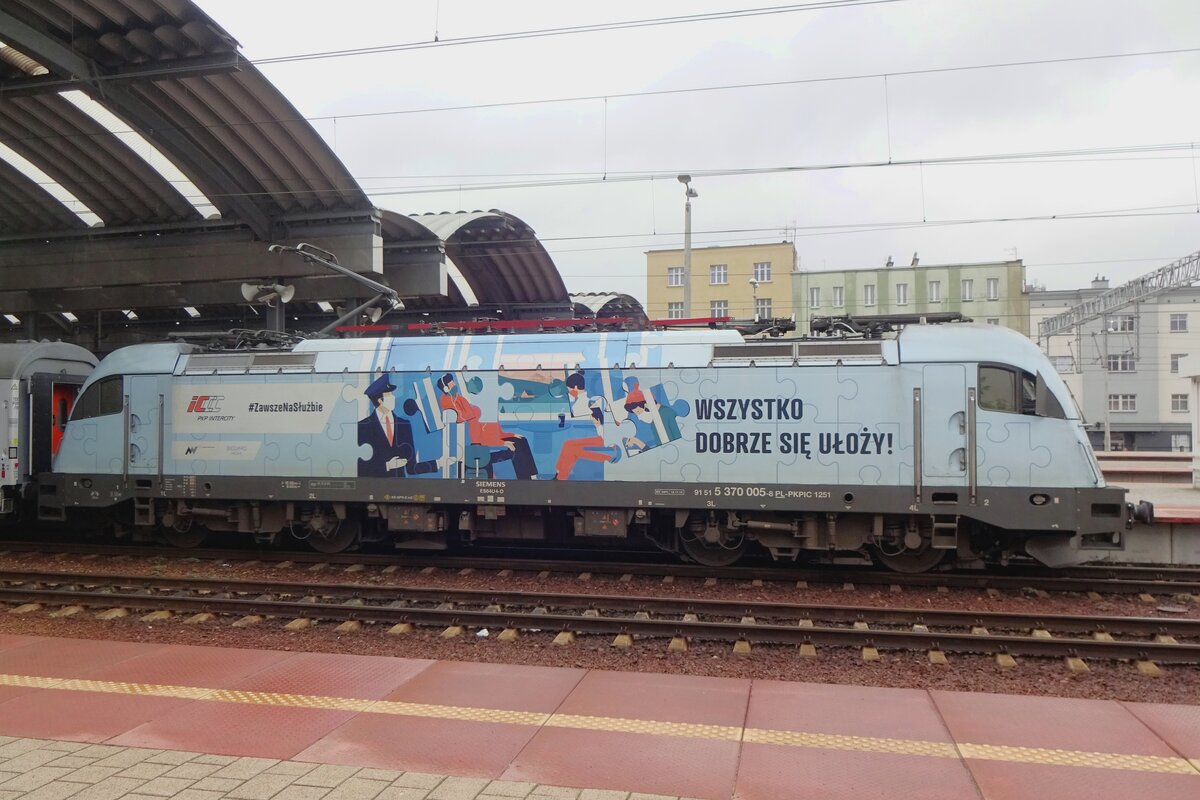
504, 446
589, 448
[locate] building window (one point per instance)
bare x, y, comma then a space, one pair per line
1122, 402
1064, 363
968, 290
1124, 323
993, 288
869, 294
674, 276
814, 297
718, 308
1121, 362
1178, 323
674, 310
993, 321
838, 299
935, 291
762, 271
1181, 442
718, 274
901, 294
1175, 361
762, 308
1179, 402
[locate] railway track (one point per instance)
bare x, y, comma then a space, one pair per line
1148, 641
1105, 579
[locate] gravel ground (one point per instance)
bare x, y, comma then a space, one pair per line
965, 673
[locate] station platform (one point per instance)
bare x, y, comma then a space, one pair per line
102, 720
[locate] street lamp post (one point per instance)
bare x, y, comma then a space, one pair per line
1107, 401
688, 194
754, 297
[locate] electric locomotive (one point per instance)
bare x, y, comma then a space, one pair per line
939, 443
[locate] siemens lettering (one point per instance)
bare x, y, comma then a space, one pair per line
734, 409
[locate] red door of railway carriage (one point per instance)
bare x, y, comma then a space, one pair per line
62, 401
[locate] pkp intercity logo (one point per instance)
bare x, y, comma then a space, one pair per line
205, 404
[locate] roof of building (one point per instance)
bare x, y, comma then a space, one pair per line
249, 160
607, 304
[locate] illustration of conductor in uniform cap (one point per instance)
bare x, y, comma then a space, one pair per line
389, 436
502, 445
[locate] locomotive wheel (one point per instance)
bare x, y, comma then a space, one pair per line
911, 561
193, 536
334, 538
711, 555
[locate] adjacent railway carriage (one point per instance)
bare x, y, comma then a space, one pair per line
38, 385
950, 440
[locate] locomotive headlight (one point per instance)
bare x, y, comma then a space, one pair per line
1039, 499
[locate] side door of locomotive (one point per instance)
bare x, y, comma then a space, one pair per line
943, 417
144, 421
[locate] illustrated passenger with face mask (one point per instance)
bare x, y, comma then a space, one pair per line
389, 436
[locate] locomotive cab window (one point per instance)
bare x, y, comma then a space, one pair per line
1017, 392
101, 398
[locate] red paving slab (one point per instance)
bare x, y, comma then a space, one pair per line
1060, 723
1000, 780
187, 665
1178, 726
455, 747
845, 710
8, 641
641, 762
235, 729
502, 686
660, 759
52, 714
1176, 514
333, 675
67, 658
419, 744
779, 770
628, 762
78, 716
654, 696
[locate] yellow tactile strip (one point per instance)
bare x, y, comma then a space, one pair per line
653, 727
826, 741
1077, 758
869, 744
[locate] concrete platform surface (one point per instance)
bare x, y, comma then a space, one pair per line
98, 720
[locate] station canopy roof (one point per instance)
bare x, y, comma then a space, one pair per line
145, 162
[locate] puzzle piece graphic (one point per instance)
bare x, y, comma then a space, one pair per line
870, 475
998, 476
1014, 447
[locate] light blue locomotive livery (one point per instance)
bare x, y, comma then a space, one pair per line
956, 441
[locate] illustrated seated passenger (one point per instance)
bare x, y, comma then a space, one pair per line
390, 437
501, 445
655, 426
587, 448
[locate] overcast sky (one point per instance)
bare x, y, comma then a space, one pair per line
849, 217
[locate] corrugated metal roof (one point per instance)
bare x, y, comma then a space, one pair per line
608, 304
175, 76
498, 255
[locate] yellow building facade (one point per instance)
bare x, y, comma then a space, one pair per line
739, 281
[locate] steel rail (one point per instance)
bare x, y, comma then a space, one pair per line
1106, 578
540, 617
1075, 623
719, 631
